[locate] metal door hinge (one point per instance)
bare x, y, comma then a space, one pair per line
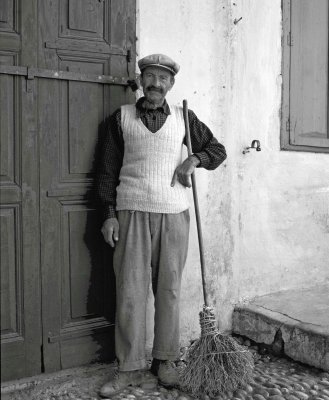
29, 79
290, 41
30, 73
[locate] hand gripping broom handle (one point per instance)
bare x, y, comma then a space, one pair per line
196, 204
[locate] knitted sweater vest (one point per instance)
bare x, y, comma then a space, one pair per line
149, 162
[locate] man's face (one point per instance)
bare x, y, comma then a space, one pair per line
156, 83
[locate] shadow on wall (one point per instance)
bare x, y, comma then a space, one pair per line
101, 293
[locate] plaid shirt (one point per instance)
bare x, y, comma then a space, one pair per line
204, 146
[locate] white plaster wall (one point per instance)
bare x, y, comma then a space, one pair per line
266, 214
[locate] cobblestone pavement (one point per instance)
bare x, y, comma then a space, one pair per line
274, 378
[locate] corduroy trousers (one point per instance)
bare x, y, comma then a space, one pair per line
150, 246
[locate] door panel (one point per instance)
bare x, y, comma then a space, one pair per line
78, 119
12, 336
84, 19
8, 116
11, 312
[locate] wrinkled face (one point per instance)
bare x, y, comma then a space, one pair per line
156, 83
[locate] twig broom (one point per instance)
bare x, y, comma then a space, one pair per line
215, 363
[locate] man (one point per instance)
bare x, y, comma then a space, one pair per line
142, 186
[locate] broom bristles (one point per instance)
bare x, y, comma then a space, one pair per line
216, 363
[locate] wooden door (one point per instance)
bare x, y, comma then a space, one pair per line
88, 38
74, 58
21, 345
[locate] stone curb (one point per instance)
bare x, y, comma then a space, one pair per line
303, 342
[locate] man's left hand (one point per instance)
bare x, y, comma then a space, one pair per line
184, 171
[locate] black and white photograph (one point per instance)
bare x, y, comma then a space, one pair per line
164, 199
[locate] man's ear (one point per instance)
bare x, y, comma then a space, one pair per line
139, 81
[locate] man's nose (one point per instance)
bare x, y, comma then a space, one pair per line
156, 81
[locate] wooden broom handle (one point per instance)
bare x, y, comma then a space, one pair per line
196, 203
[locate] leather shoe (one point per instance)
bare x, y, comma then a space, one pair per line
121, 380
168, 374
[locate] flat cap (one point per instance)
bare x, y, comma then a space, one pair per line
159, 60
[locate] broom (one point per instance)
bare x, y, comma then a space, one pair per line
215, 363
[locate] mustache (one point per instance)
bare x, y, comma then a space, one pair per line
155, 89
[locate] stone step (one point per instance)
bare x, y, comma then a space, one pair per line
295, 320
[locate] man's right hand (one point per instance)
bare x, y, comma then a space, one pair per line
110, 231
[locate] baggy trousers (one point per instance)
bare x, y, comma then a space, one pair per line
150, 244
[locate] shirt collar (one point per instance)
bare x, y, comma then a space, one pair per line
141, 111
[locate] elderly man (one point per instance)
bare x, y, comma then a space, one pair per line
142, 182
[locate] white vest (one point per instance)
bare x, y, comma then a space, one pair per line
149, 162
